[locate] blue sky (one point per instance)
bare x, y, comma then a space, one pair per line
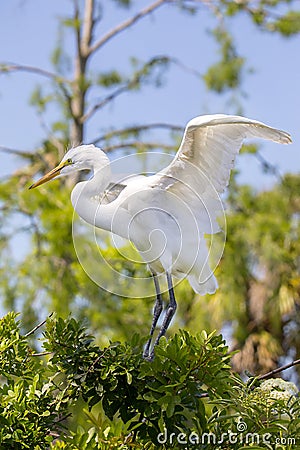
28, 34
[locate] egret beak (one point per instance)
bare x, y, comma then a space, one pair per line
50, 175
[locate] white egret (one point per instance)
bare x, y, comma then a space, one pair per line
167, 214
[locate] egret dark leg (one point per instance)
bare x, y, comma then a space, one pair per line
156, 314
170, 311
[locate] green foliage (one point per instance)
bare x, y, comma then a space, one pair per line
124, 3
108, 79
288, 25
259, 285
72, 23
165, 393
39, 100
258, 275
150, 72
118, 400
27, 392
249, 148
226, 74
50, 270
59, 59
265, 414
129, 402
266, 14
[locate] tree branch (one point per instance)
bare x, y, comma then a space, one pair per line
103, 102
77, 29
61, 81
267, 166
126, 24
185, 68
41, 354
279, 369
13, 67
14, 151
129, 84
137, 129
136, 79
138, 144
88, 25
37, 327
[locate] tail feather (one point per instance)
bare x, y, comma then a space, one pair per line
207, 286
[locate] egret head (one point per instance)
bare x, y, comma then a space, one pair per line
84, 157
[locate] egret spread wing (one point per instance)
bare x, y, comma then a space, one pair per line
211, 143
207, 154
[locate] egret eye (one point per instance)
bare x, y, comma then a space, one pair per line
69, 161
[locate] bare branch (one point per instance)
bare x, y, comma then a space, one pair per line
137, 129
61, 81
51, 136
129, 84
103, 102
14, 151
62, 418
88, 24
37, 327
185, 68
267, 166
41, 354
279, 369
13, 67
126, 24
139, 144
77, 29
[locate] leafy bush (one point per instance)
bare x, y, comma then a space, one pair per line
74, 395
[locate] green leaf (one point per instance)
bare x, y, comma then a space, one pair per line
288, 25
111, 78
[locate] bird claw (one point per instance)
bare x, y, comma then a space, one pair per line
148, 357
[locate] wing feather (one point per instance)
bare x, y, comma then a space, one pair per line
117, 185
201, 168
211, 143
